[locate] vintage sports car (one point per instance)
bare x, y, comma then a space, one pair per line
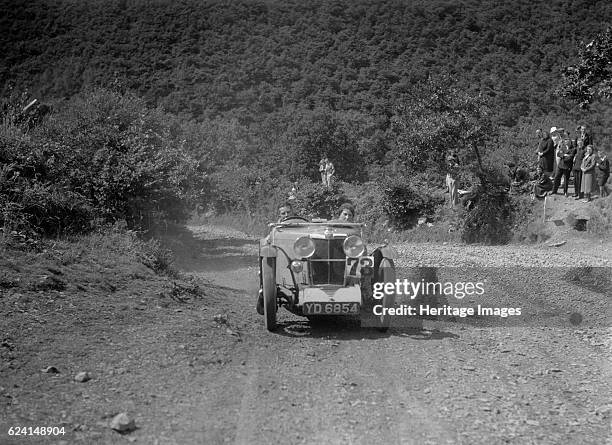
322, 268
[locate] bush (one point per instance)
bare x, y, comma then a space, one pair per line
405, 200
313, 200
490, 221
103, 157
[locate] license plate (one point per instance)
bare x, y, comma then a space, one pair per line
354, 265
331, 308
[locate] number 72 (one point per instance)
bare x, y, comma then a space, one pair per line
354, 265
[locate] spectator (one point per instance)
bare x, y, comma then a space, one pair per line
451, 181
588, 172
322, 164
330, 170
578, 136
293, 193
603, 165
564, 166
546, 152
577, 164
586, 137
542, 184
556, 135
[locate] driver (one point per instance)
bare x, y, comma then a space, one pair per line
285, 211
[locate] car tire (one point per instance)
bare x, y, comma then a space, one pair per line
268, 277
386, 274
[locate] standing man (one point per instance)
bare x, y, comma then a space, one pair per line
586, 137
322, 164
451, 182
330, 170
564, 166
579, 154
603, 165
546, 152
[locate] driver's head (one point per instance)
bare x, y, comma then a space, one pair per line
285, 211
347, 213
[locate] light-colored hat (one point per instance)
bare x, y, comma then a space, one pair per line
553, 129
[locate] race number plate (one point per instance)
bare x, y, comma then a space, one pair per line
354, 265
331, 308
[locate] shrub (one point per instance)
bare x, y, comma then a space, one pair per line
368, 201
103, 157
313, 200
490, 221
406, 199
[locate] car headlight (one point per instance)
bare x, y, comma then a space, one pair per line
353, 246
304, 247
297, 266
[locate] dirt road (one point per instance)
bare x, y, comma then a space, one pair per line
206, 371
538, 379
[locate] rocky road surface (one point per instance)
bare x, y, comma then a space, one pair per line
536, 379
200, 368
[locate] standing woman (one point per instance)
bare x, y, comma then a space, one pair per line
588, 172
603, 165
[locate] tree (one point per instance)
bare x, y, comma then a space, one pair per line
591, 78
436, 119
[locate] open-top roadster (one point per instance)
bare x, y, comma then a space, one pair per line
322, 268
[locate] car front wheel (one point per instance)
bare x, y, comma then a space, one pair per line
268, 275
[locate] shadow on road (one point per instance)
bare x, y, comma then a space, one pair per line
342, 328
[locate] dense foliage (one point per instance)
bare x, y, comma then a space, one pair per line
103, 157
252, 57
229, 104
591, 78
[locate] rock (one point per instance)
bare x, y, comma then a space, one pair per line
469, 368
220, 318
123, 423
82, 377
51, 370
559, 244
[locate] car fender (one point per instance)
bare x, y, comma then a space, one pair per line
385, 252
268, 251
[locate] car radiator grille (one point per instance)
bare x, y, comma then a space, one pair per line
327, 263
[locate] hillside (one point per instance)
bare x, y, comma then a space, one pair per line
250, 58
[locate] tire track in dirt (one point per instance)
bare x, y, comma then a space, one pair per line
451, 383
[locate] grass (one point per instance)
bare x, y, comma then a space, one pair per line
105, 247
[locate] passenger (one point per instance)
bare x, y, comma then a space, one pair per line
347, 213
